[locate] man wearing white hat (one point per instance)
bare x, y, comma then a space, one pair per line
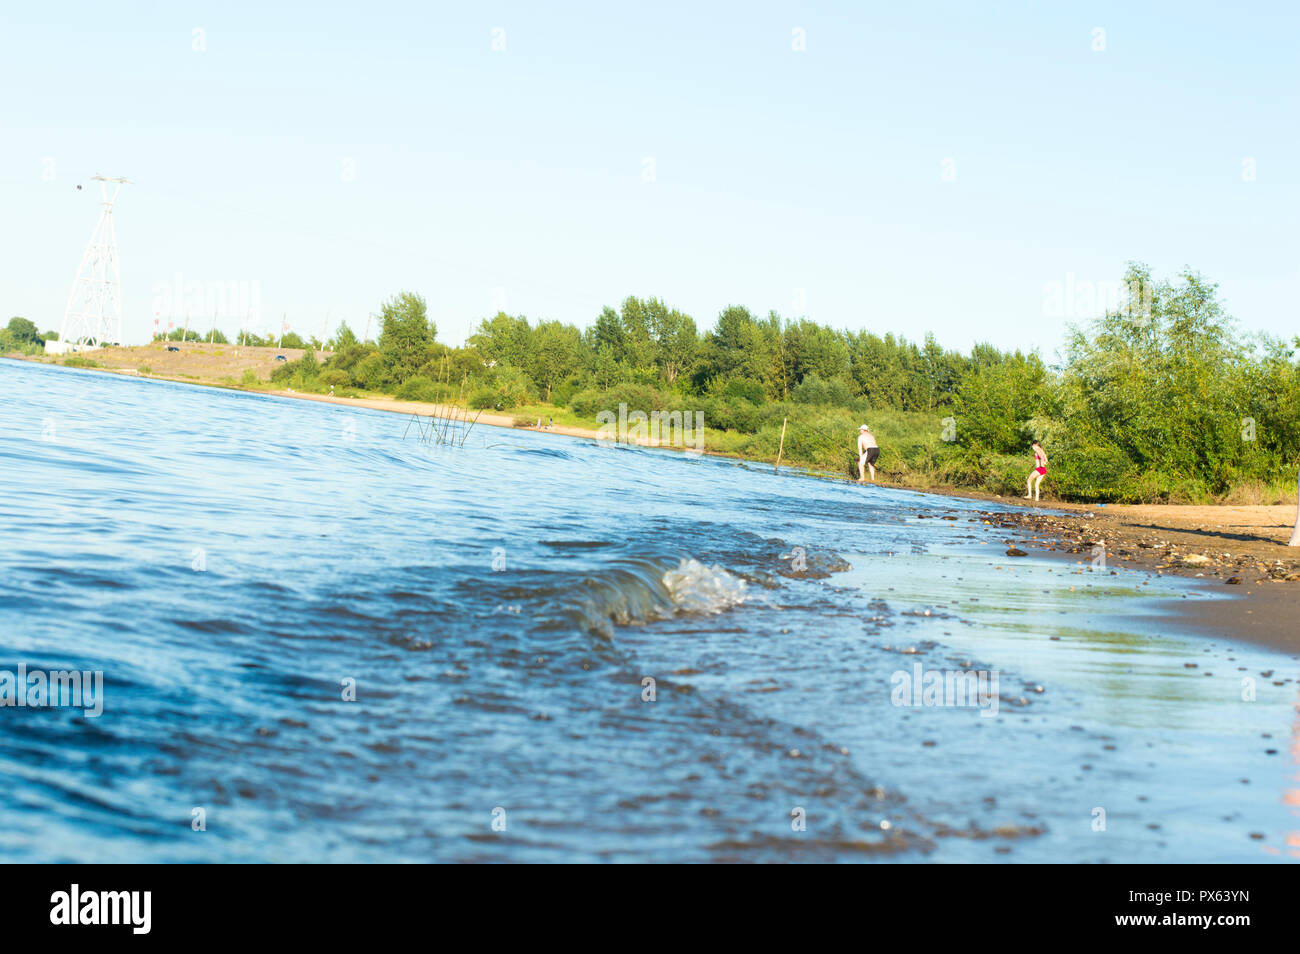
868, 451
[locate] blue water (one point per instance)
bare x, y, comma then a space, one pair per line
236, 565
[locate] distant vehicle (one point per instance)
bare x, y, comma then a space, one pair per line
280, 357
173, 348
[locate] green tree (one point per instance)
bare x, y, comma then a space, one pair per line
1165, 384
344, 338
504, 339
996, 401
638, 337
607, 335
24, 332
654, 335
677, 343
557, 352
814, 349
736, 348
407, 336
607, 370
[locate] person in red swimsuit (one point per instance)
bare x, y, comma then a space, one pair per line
1036, 475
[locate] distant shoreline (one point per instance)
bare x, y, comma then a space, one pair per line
1247, 542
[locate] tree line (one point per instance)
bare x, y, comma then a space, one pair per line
21, 336
1161, 398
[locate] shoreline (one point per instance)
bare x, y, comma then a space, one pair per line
1239, 550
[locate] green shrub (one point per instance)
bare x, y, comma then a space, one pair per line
369, 373
637, 397
587, 403
504, 388
731, 414
1097, 471
420, 388
563, 393
511, 385
813, 390
742, 388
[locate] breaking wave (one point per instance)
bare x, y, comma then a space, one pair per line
704, 590
635, 592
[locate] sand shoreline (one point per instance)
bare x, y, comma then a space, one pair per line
1237, 552
1240, 549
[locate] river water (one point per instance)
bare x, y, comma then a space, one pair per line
322, 639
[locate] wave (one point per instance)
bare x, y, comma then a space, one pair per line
703, 590
547, 452
637, 592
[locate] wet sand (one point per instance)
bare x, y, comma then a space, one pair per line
1236, 551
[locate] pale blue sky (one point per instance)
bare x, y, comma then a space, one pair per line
328, 156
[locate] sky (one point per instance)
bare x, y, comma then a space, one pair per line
980, 174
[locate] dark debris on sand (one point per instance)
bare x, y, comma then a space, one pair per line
1163, 550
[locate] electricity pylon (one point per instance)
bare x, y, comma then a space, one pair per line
94, 314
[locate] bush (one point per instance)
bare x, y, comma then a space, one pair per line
417, 388
21, 337
1097, 471
587, 403
303, 373
563, 393
731, 414
511, 385
420, 388
742, 388
995, 405
334, 378
506, 388
637, 397
369, 373
813, 390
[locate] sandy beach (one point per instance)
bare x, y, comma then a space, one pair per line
425, 409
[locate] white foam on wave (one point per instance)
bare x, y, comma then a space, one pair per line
708, 590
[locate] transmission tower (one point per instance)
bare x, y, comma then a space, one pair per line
94, 315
